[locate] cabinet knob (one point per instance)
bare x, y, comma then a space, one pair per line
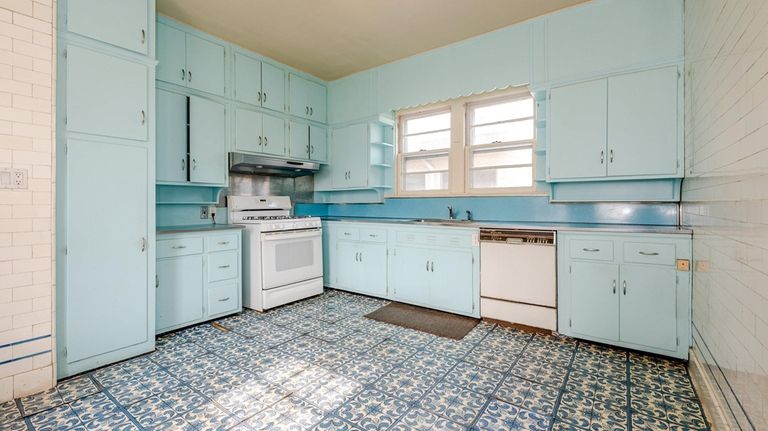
259, 98
311, 149
591, 250
625, 287
614, 287
143, 36
157, 281
266, 141
183, 164
260, 138
183, 74
265, 97
223, 266
602, 156
194, 164
648, 253
189, 75
610, 156
306, 110
427, 266
179, 247
311, 111
143, 244
223, 242
224, 299
432, 266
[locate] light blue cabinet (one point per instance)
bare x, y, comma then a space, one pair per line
189, 60
350, 157
172, 130
621, 127
207, 142
111, 104
307, 142
118, 22
104, 298
432, 267
257, 132
258, 83
198, 277
318, 143
307, 99
179, 290
626, 290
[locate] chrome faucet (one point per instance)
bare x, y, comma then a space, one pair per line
451, 213
469, 215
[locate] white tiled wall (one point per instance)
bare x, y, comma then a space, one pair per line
27, 47
726, 196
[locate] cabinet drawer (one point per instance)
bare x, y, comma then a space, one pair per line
437, 239
222, 266
222, 298
373, 235
222, 242
655, 254
179, 247
592, 249
349, 233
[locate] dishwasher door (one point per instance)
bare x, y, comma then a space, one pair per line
522, 273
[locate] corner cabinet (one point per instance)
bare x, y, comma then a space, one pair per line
626, 290
428, 266
198, 277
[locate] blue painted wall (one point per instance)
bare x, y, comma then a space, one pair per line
516, 208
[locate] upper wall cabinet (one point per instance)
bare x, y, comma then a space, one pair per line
308, 142
257, 132
307, 98
118, 22
621, 127
259, 83
189, 60
107, 104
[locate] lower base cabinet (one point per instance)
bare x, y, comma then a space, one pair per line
626, 290
198, 277
433, 267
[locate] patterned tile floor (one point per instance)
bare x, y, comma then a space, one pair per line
318, 364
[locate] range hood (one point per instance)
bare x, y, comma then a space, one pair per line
261, 165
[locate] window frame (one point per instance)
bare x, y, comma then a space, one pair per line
459, 153
402, 155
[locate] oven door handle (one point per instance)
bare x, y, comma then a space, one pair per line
294, 234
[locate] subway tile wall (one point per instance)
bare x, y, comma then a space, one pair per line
27, 54
725, 199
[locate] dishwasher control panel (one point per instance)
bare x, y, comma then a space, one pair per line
516, 236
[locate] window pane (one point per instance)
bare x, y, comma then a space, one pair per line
503, 111
429, 141
426, 181
504, 132
439, 121
504, 177
425, 172
502, 157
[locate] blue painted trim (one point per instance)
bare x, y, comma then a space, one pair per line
28, 340
25, 357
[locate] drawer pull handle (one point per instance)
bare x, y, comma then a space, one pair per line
649, 253
178, 247
223, 242
373, 236
223, 266
347, 234
591, 250
224, 299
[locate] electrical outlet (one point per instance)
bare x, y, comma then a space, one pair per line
13, 178
212, 210
204, 212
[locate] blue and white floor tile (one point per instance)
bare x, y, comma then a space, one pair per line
320, 365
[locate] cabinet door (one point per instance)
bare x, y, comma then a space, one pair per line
205, 65
643, 123
274, 135
372, 278
318, 143
649, 306
248, 134
107, 299
298, 141
577, 127
316, 100
171, 55
409, 276
452, 288
347, 267
298, 98
107, 104
207, 142
171, 143
595, 300
350, 156
179, 291
272, 87
118, 22
247, 79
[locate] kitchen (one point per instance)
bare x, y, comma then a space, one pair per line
270, 215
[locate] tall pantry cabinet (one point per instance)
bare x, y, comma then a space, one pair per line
105, 152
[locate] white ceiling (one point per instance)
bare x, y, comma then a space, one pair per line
335, 38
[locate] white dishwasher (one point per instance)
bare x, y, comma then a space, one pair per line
518, 276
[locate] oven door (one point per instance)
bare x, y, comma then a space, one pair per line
291, 257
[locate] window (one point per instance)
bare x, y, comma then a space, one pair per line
500, 143
424, 151
474, 145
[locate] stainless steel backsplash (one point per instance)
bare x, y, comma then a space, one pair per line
300, 189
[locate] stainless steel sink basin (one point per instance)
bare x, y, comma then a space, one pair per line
443, 222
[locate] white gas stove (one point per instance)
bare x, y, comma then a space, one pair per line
282, 253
